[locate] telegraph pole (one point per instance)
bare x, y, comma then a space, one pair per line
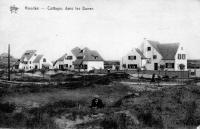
8, 62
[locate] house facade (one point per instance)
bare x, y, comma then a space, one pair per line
133, 60
42, 62
170, 56
65, 62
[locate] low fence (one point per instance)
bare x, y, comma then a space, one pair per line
171, 74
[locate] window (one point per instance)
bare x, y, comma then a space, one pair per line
80, 57
30, 62
183, 56
148, 48
154, 56
132, 57
85, 66
169, 65
44, 60
69, 57
179, 56
132, 66
66, 65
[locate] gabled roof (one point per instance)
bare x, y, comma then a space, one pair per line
92, 55
60, 59
28, 54
37, 59
88, 55
140, 53
166, 50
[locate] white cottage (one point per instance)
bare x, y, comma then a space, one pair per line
133, 60
169, 55
31, 60
65, 61
87, 59
42, 62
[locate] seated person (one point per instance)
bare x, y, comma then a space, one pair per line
97, 102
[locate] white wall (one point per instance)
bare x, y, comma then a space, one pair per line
149, 54
181, 50
126, 61
94, 65
48, 62
70, 62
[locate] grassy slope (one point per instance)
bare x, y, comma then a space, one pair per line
174, 107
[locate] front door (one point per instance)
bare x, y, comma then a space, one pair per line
155, 66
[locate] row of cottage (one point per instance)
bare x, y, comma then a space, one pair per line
151, 55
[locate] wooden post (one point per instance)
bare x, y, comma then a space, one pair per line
8, 62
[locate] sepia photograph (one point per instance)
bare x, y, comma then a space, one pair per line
99, 64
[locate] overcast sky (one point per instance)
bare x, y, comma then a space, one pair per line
113, 28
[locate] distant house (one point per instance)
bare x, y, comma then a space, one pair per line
194, 67
41, 62
31, 60
169, 55
87, 59
133, 60
112, 64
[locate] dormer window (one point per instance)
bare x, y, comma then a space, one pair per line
148, 48
95, 57
131, 57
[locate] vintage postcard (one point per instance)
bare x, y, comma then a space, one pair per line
100, 64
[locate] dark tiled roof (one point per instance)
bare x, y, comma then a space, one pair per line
28, 54
78, 62
140, 53
167, 50
38, 58
93, 55
88, 55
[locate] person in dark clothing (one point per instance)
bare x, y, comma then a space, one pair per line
153, 78
97, 103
